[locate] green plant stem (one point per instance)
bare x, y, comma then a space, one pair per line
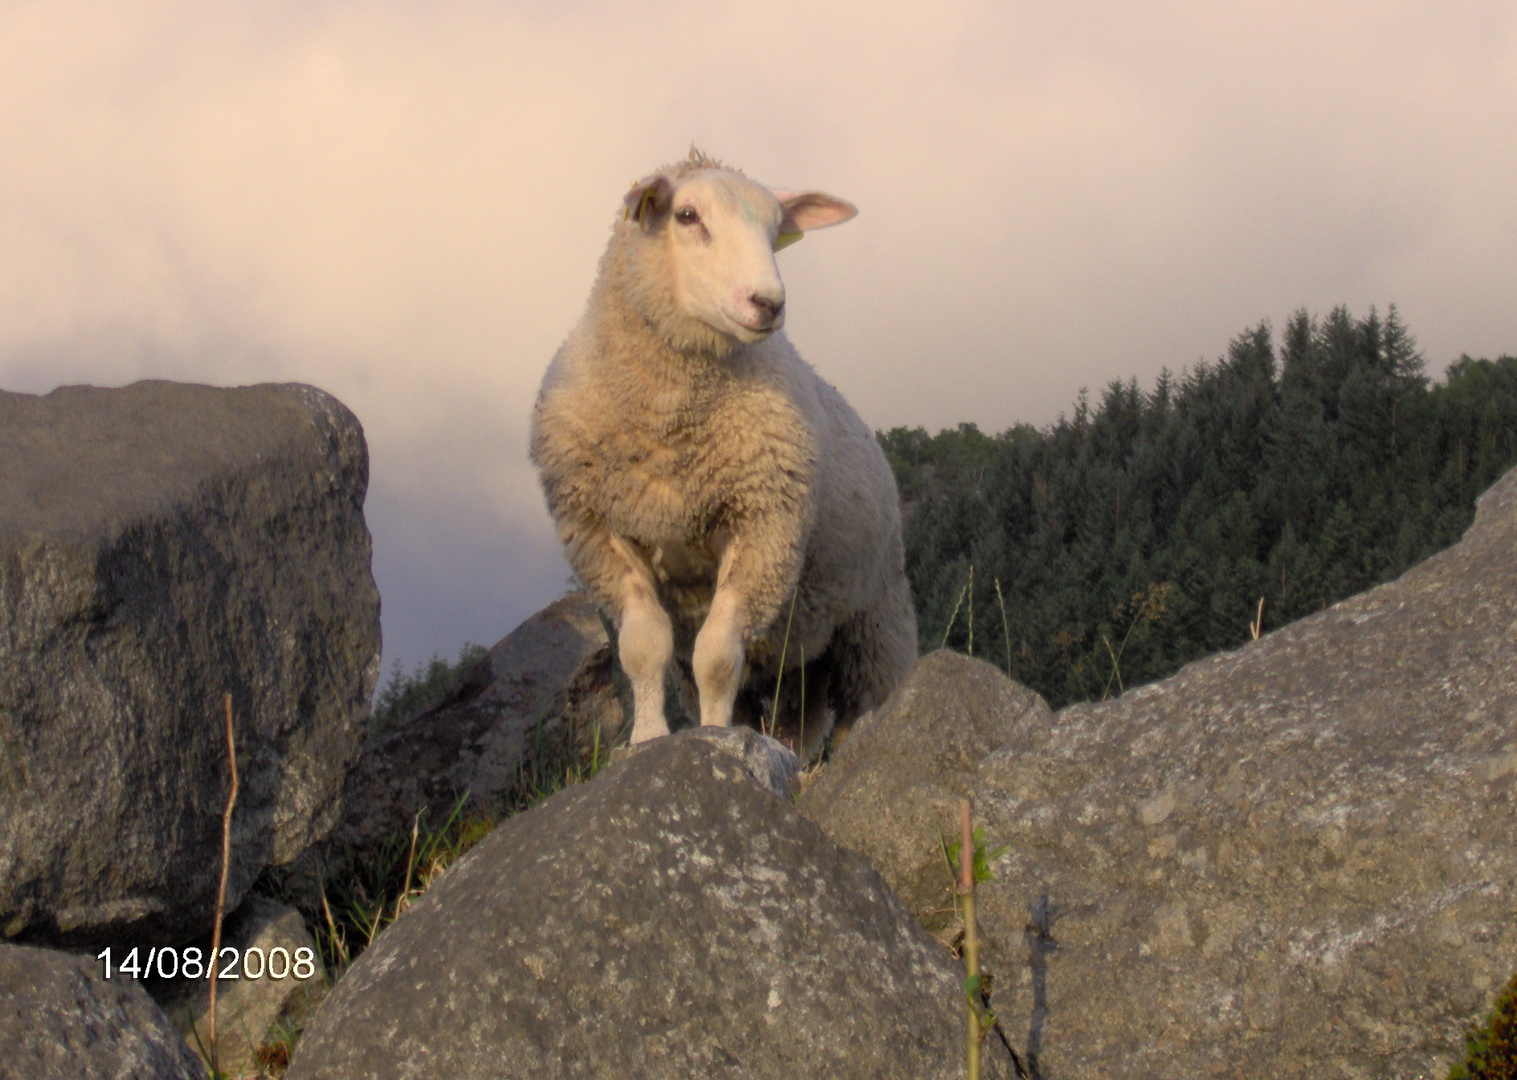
1116, 667
954, 615
405, 890
338, 943
774, 713
971, 942
1005, 627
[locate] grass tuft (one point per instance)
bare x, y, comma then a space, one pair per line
1490, 1049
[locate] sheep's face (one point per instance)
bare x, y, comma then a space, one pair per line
720, 232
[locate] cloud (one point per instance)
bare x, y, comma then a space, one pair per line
404, 203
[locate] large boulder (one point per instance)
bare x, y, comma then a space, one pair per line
892, 791
1296, 859
160, 545
62, 1019
668, 919
539, 702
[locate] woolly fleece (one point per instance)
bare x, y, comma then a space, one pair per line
685, 464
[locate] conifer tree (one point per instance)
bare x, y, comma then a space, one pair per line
1142, 530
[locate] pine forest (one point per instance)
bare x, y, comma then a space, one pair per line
1153, 527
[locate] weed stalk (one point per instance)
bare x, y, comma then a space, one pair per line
405, 890
969, 588
1116, 665
339, 949
1005, 627
971, 942
226, 858
774, 712
954, 615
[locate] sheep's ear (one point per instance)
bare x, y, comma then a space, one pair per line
808, 210
648, 201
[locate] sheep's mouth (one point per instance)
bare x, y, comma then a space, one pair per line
763, 327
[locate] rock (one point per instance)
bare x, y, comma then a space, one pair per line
893, 789
1296, 859
248, 1006
667, 919
769, 763
530, 706
61, 1019
162, 544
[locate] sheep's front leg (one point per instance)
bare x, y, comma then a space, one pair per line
645, 645
718, 657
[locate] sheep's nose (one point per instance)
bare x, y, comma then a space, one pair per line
767, 305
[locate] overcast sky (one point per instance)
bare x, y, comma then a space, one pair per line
403, 203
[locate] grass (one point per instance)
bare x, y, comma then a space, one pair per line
1490, 1049
1145, 607
348, 896
364, 890
274, 1055
352, 894
1140, 611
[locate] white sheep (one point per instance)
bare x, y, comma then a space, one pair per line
719, 501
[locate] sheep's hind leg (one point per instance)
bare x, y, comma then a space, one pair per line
718, 658
645, 645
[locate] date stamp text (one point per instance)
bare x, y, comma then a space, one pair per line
193, 963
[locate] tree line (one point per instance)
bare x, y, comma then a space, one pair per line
1151, 528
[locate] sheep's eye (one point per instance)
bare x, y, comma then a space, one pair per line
686, 215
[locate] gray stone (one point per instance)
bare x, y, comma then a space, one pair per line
535, 702
667, 919
769, 763
61, 1019
247, 1007
892, 791
1296, 859
162, 544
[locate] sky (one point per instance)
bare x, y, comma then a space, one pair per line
403, 203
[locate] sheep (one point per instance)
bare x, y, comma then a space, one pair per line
726, 509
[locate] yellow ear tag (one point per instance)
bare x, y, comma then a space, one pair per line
645, 205
785, 239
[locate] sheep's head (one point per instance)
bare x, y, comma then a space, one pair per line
717, 232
